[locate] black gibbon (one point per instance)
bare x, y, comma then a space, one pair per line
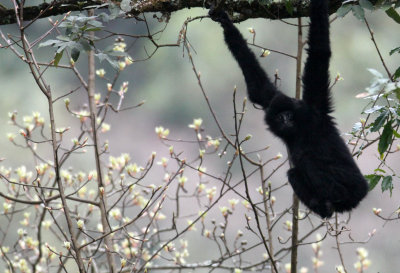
324, 175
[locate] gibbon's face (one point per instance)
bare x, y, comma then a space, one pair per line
284, 116
285, 119
283, 123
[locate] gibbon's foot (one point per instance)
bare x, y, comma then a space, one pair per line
322, 208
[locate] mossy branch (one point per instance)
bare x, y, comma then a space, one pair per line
247, 9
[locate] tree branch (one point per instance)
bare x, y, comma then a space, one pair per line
246, 10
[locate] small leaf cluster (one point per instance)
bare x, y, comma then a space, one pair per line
78, 37
387, 121
387, 181
384, 110
358, 8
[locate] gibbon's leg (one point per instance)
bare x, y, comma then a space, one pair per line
308, 196
299, 185
323, 208
259, 87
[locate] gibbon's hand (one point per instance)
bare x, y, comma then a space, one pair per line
218, 15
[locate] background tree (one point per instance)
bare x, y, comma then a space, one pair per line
95, 182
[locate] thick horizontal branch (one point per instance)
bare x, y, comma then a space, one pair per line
247, 9
58, 7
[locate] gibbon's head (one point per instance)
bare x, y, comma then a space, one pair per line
285, 116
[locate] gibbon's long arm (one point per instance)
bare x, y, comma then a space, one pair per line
259, 87
316, 70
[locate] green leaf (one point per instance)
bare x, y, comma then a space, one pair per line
365, 4
63, 38
94, 29
396, 134
58, 57
85, 45
386, 138
50, 43
375, 72
356, 127
379, 170
289, 6
397, 49
373, 109
380, 120
101, 56
61, 48
343, 10
387, 184
107, 58
397, 90
70, 30
117, 54
397, 73
373, 180
358, 12
392, 13
126, 5
75, 54
104, 17
95, 23
114, 11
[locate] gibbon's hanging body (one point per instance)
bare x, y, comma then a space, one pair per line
324, 175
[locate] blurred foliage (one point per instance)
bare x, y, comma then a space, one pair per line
167, 83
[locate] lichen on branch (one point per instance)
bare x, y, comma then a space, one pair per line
245, 8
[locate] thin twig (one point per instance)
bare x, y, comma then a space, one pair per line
338, 243
96, 144
260, 230
295, 207
371, 32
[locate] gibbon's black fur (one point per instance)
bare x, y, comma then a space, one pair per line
324, 175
